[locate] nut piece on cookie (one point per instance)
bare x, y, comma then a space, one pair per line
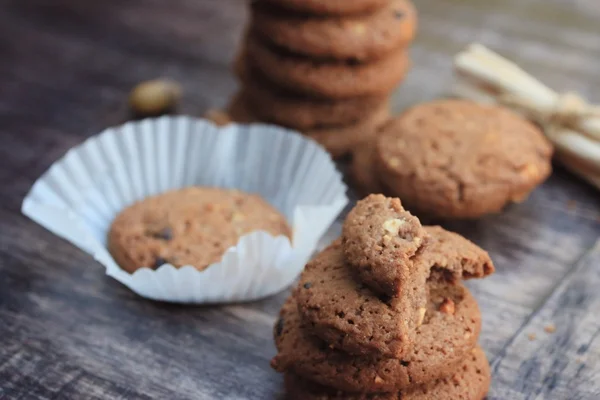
380, 241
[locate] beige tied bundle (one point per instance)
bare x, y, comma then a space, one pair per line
568, 121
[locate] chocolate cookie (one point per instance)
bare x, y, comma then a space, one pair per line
458, 159
334, 80
448, 332
364, 37
338, 141
380, 240
329, 7
191, 226
470, 382
280, 107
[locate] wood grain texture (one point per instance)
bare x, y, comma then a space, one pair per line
556, 354
69, 332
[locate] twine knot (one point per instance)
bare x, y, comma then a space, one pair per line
568, 109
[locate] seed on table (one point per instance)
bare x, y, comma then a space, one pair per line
155, 97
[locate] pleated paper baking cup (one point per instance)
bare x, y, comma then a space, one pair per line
81, 194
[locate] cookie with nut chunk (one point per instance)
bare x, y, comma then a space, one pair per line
459, 159
381, 240
364, 37
447, 334
191, 226
345, 313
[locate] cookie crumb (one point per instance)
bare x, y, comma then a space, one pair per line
550, 328
579, 360
447, 307
378, 379
531, 337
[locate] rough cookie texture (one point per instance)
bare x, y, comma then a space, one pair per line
329, 7
272, 104
459, 159
380, 240
470, 382
191, 226
365, 37
451, 257
333, 80
441, 343
348, 315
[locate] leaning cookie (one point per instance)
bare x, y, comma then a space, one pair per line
191, 226
470, 382
448, 333
458, 159
364, 37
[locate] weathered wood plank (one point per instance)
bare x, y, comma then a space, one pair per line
556, 354
68, 331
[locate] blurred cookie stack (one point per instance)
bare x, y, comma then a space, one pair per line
324, 68
382, 313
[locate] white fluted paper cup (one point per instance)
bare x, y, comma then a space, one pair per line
81, 194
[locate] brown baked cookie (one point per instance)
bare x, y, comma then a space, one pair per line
333, 80
348, 315
362, 170
328, 7
459, 159
451, 257
470, 382
338, 141
191, 226
363, 37
381, 240
277, 106
328, 288
448, 332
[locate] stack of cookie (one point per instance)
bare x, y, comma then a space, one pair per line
382, 313
454, 159
324, 68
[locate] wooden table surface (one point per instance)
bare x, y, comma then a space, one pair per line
67, 331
